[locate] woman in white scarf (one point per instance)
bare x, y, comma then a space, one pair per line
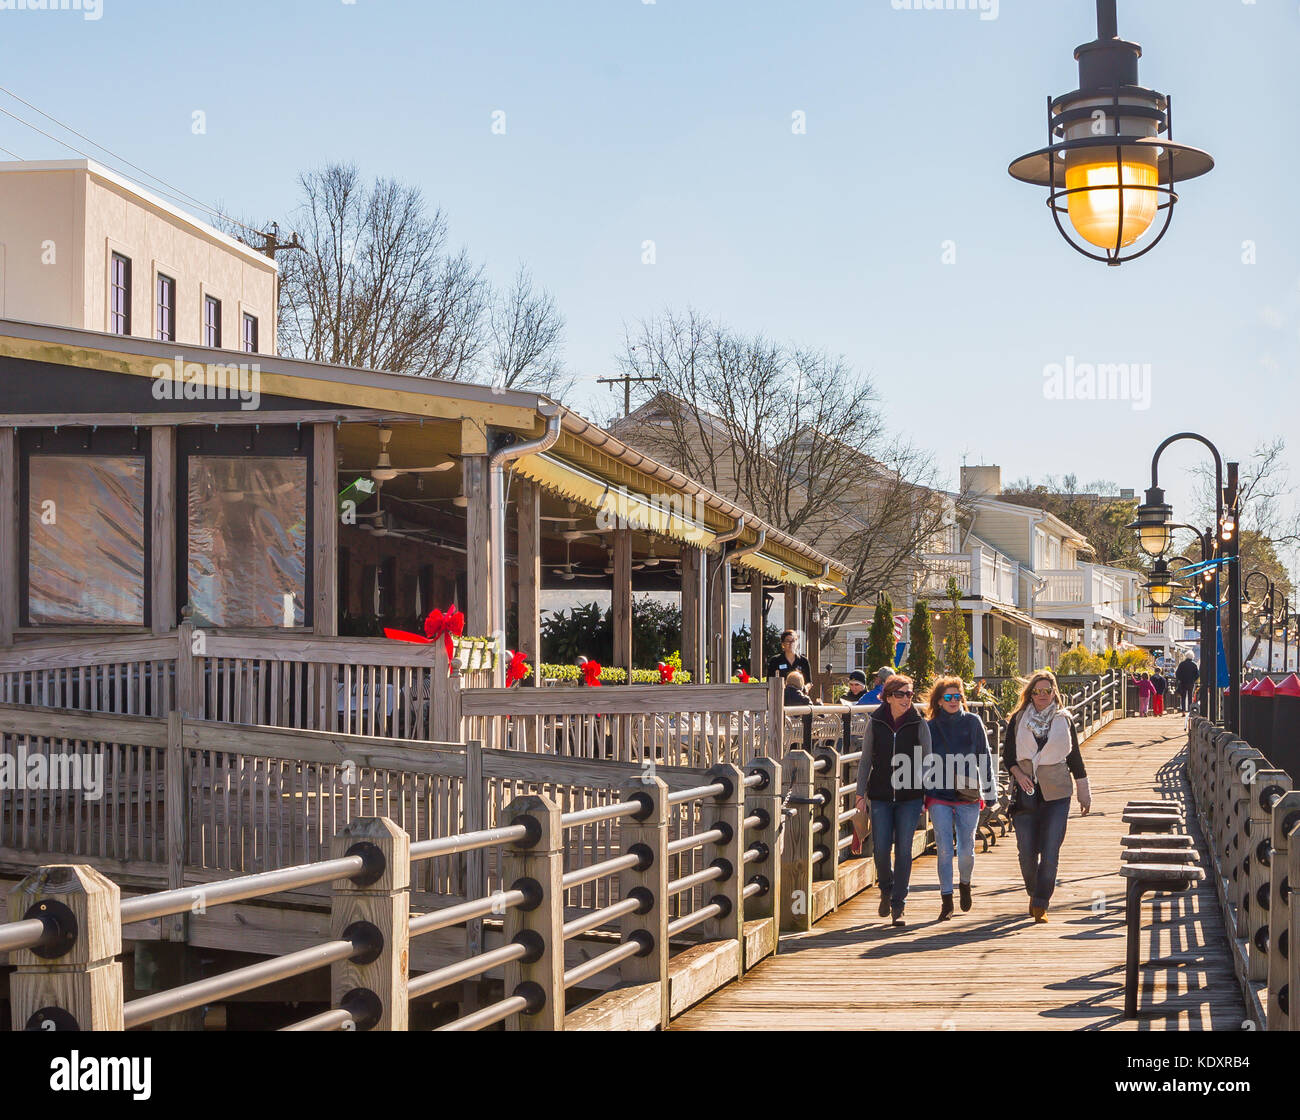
1041, 752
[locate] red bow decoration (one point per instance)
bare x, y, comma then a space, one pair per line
666, 672
447, 626
517, 670
744, 677
591, 673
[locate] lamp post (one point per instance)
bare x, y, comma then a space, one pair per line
1155, 532
1265, 613
1110, 164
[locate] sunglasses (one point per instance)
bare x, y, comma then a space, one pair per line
899, 692
950, 696
1042, 692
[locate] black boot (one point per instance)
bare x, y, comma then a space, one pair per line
884, 902
945, 911
897, 913
964, 888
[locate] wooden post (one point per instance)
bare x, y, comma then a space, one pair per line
176, 820
692, 632
765, 802
325, 533
77, 983
162, 534
757, 662
536, 866
727, 813
715, 616
791, 607
647, 834
776, 718
1244, 762
9, 515
1293, 951
528, 507
478, 608
374, 987
1267, 785
622, 600
827, 783
814, 650
1282, 932
796, 856
445, 683
474, 799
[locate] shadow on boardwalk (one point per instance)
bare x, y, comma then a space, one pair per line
993, 968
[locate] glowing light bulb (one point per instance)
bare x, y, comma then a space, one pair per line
1095, 212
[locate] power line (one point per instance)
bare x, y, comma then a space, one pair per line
174, 193
14, 154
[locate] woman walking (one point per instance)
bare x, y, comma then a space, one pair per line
891, 779
1041, 752
963, 783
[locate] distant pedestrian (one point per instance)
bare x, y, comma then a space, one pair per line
1145, 691
1186, 677
1161, 686
964, 782
891, 782
875, 693
1041, 752
789, 658
796, 694
857, 688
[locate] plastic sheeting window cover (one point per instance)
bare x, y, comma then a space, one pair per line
247, 534
86, 540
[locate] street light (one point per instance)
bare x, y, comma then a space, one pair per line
1110, 162
1160, 585
1265, 613
1155, 527
1160, 612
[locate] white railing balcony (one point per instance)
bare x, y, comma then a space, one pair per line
981, 573
1088, 586
1063, 587
932, 581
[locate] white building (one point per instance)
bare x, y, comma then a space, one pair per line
82, 247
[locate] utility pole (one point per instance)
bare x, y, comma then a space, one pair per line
626, 380
270, 247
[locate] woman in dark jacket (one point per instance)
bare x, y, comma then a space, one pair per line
891, 778
1041, 752
962, 781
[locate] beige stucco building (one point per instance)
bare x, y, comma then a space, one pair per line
82, 247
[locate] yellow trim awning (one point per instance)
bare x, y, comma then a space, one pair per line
618, 505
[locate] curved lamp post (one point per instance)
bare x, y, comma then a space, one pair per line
1110, 164
1155, 531
1265, 613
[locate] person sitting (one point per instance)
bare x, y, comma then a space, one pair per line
876, 693
857, 689
796, 693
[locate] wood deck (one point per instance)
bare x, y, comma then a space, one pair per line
993, 968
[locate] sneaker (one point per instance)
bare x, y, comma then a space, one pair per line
945, 911
964, 891
884, 902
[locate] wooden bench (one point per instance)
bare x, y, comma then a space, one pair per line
1178, 840
1144, 878
1152, 822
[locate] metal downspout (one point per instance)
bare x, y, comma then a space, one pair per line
497, 517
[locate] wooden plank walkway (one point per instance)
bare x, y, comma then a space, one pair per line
993, 968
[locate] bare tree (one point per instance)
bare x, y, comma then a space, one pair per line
527, 334
377, 285
792, 433
1093, 508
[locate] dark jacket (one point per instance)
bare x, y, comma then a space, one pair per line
1074, 760
1187, 674
796, 699
880, 778
1161, 684
779, 666
962, 739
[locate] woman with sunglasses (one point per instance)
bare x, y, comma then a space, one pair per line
891, 777
1041, 752
962, 782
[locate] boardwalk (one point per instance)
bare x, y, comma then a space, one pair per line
993, 969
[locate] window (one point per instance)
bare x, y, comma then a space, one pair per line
166, 308
85, 540
861, 652
246, 521
212, 322
250, 333
119, 295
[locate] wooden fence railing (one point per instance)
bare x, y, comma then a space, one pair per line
1251, 819
765, 856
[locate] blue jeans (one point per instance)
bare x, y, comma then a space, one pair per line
1039, 832
964, 820
892, 826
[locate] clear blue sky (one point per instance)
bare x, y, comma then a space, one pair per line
671, 121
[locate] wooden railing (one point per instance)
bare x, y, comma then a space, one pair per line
762, 859
1251, 820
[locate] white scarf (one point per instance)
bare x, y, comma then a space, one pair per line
1055, 750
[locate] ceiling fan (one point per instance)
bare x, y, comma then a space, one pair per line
384, 471
565, 571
